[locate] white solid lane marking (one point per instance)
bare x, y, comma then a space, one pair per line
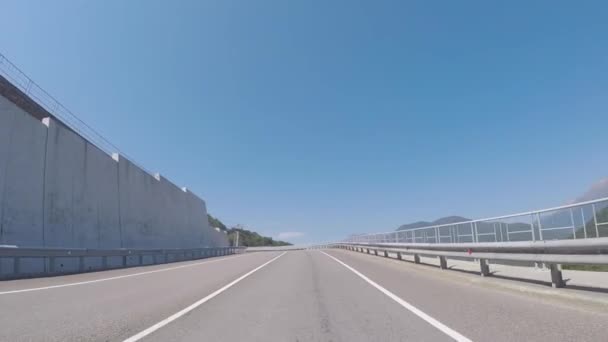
114, 278
445, 329
200, 302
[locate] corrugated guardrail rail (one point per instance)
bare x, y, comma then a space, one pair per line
551, 253
159, 256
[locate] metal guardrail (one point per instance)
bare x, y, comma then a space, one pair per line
582, 220
159, 256
551, 253
274, 248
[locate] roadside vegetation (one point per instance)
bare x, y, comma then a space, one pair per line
247, 238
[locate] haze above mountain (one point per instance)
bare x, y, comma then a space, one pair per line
597, 190
443, 220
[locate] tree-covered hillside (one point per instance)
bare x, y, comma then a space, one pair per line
215, 223
246, 237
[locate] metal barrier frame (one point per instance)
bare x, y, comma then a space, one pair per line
468, 230
17, 253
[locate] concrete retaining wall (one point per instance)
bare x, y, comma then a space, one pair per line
59, 190
22, 158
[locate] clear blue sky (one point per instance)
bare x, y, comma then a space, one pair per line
335, 117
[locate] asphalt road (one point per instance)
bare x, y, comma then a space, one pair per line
334, 295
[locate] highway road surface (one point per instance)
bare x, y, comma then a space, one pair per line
310, 295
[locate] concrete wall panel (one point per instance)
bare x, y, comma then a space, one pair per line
64, 186
139, 208
172, 223
81, 196
65, 206
21, 176
197, 219
22, 145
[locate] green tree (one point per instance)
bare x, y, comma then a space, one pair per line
247, 238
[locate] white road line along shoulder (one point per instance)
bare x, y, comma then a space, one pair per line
442, 327
200, 302
116, 277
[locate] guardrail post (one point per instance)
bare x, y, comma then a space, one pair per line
16, 264
385, 254
81, 264
556, 276
484, 267
376, 252
368, 251
140, 260
104, 262
416, 258
399, 256
443, 263
52, 264
124, 261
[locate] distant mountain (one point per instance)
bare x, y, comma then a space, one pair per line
443, 220
558, 219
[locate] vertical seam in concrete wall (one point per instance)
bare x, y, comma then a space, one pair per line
46, 144
72, 208
84, 188
46, 261
2, 204
118, 196
98, 227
